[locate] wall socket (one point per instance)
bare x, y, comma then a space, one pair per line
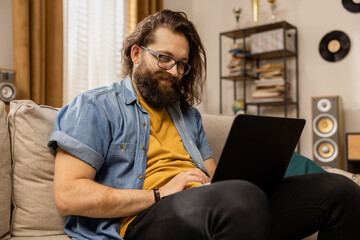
7, 76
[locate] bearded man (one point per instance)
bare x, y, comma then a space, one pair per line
130, 157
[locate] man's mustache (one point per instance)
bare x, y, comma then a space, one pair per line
161, 75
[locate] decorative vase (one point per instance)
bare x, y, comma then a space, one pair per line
238, 106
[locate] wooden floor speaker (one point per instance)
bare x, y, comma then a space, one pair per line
352, 142
326, 131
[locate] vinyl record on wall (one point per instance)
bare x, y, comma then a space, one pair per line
351, 6
334, 46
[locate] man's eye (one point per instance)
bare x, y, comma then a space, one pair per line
165, 58
181, 65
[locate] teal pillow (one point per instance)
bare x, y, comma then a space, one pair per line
302, 165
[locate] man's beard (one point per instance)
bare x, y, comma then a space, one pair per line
148, 84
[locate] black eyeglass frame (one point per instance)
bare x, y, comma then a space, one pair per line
158, 55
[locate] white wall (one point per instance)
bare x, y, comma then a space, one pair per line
6, 46
317, 77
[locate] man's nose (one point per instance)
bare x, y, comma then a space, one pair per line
173, 71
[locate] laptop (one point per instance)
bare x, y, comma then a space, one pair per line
258, 149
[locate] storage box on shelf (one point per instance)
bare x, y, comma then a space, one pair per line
273, 40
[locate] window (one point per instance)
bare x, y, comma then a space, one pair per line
93, 35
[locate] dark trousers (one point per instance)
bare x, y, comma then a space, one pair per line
295, 208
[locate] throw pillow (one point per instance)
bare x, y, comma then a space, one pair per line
5, 173
301, 165
34, 211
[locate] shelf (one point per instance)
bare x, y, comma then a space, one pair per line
265, 102
245, 32
242, 79
238, 77
270, 55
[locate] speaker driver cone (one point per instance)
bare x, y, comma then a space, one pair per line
325, 150
325, 125
324, 105
7, 92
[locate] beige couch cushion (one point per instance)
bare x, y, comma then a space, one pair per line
217, 128
5, 173
33, 163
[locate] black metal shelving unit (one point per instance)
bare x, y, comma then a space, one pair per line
246, 78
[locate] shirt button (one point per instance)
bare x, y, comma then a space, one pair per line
143, 147
144, 123
139, 176
122, 146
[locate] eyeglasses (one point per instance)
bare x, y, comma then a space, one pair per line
167, 63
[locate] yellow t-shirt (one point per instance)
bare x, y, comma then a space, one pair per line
166, 156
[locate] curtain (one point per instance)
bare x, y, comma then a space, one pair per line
38, 50
93, 35
140, 9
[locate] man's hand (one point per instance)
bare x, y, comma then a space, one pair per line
178, 183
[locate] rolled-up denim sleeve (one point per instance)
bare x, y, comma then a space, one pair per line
203, 144
83, 130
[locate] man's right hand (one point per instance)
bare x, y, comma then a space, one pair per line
178, 183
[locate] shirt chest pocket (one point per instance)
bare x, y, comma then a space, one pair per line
125, 150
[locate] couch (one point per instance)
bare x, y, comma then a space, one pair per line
27, 208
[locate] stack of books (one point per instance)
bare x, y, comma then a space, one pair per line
236, 64
271, 71
271, 84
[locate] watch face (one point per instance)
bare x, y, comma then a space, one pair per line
7, 92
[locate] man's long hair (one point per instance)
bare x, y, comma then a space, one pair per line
192, 83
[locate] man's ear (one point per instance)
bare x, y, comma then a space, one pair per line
135, 54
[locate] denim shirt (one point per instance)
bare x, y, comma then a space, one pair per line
108, 129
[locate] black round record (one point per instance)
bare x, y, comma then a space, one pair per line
351, 6
334, 46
